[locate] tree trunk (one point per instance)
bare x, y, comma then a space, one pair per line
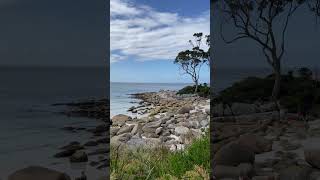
196, 89
277, 81
277, 86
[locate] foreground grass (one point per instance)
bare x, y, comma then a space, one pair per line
161, 164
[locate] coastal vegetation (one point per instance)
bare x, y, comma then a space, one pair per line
191, 61
203, 90
169, 137
253, 139
297, 86
162, 164
266, 23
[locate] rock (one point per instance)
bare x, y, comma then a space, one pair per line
79, 156
91, 143
256, 117
193, 124
131, 108
93, 163
312, 156
204, 123
244, 170
185, 109
197, 133
244, 108
315, 175
151, 126
101, 129
103, 151
136, 142
103, 178
125, 129
114, 130
217, 110
295, 173
207, 111
181, 130
171, 126
268, 107
257, 144
150, 135
263, 178
148, 130
224, 119
120, 119
104, 140
73, 145
159, 130
118, 140
233, 154
38, 173
65, 153
68, 128
136, 129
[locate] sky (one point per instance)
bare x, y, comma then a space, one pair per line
53, 33
146, 36
302, 45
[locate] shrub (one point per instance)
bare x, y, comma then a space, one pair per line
161, 163
203, 90
295, 90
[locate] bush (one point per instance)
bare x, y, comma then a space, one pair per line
161, 163
203, 90
296, 91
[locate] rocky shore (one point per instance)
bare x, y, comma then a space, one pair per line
93, 151
166, 120
255, 141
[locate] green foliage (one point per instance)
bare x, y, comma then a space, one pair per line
294, 90
197, 154
247, 91
203, 90
191, 61
305, 73
161, 163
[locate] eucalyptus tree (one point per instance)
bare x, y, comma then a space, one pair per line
265, 22
191, 61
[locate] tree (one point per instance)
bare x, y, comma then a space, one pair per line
191, 61
266, 23
305, 73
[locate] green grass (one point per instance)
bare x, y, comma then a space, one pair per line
161, 163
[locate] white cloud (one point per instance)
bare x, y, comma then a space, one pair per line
116, 57
147, 34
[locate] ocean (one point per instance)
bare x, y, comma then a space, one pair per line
121, 101
30, 129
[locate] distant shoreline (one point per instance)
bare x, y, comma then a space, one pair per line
170, 83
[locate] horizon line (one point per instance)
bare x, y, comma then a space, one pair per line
157, 82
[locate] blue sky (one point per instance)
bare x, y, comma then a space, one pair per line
146, 35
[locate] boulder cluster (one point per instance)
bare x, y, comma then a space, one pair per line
167, 120
258, 142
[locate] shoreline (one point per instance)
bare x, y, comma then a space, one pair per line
165, 119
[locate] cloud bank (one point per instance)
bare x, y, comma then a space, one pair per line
145, 34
